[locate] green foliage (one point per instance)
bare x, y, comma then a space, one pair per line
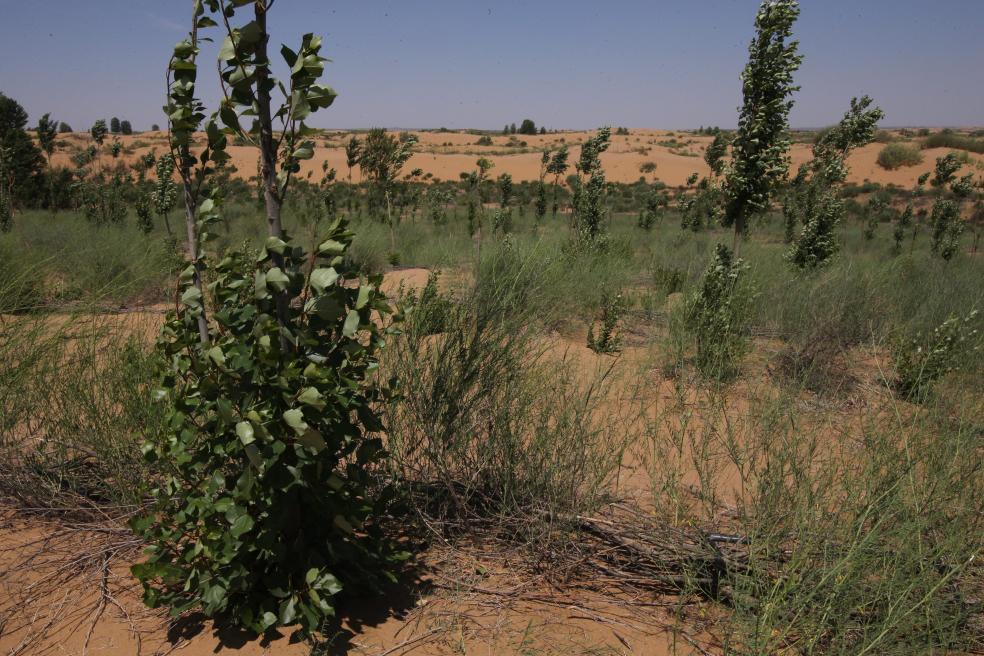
430, 310
114, 125
353, 153
589, 196
947, 224
23, 162
902, 224
896, 155
484, 140
760, 158
526, 127
922, 361
126, 127
717, 316
607, 341
143, 210
947, 138
266, 507
165, 192
814, 202
715, 153
505, 183
655, 205
98, 131
703, 208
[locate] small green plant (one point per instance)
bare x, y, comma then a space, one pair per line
165, 192
902, 225
717, 315
607, 341
922, 361
484, 140
947, 224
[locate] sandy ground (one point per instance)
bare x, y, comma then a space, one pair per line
445, 156
472, 600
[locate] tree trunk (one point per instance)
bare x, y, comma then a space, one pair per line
190, 225
268, 158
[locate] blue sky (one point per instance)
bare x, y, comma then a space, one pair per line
566, 64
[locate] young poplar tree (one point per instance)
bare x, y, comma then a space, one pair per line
759, 152
47, 133
266, 507
557, 168
540, 208
353, 151
816, 202
947, 225
717, 312
589, 196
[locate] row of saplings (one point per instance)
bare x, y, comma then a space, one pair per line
268, 495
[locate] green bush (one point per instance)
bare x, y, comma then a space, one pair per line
717, 316
268, 505
897, 155
949, 139
920, 362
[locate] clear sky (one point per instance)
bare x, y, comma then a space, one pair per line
563, 63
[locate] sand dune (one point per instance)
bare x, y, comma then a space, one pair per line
445, 155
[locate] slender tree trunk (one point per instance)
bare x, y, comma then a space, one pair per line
190, 225
268, 159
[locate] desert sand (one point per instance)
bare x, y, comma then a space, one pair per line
445, 155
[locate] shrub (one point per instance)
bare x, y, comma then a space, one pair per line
920, 362
606, 341
717, 316
484, 140
259, 445
897, 155
950, 139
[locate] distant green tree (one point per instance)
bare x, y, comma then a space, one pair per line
589, 190
155, 128
98, 131
527, 127
543, 130
760, 160
512, 128
540, 207
64, 128
556, 168
114, 125
24, 162
126, 127
353, 151
505, 182
505, 130
382, 159
47, 132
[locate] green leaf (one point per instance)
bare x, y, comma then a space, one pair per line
312, 397
312, 439
351, 324
295, 419
322, 278
243, 524
331, 247
216, 355
277, 280
363, 298
244, 430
